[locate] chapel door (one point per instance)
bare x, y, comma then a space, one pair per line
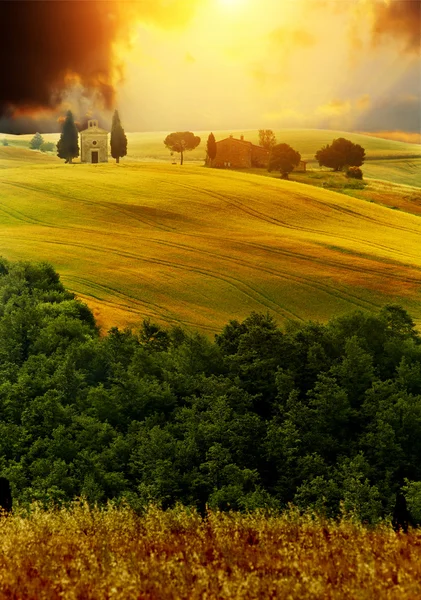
94, 156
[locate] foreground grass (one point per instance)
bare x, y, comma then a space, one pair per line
80, 553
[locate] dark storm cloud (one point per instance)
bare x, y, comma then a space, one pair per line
398, 19
43, 43
401, 113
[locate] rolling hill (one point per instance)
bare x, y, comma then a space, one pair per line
197, 247
148, 146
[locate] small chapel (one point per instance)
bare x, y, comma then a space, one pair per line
93, 144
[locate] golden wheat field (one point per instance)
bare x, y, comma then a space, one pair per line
88, 554
196, 247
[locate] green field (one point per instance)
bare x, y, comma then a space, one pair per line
195, 246
406, 171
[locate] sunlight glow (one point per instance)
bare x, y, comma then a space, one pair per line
230, 3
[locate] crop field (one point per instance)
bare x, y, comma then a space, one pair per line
196, 247
405, 171
175, 555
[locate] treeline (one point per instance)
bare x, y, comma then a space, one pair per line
324, 416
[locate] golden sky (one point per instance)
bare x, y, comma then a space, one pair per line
212, 64
232, 64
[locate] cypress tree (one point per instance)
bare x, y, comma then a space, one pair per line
211, 147
68, 144
118, 138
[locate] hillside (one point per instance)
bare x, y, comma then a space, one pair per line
197, 247
148, 146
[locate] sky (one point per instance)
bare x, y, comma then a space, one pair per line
350, 65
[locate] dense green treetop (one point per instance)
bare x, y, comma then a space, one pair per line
321, 415
339, 153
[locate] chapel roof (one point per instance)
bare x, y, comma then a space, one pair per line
94, 129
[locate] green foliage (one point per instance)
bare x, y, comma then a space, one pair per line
340, 153
68, 144
4, 142
325, 416
267, 138
47, 147
283, 158
412, 491
354, 173
36, 142
118, 139
181, 141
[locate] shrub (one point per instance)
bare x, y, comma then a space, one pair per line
354, 173
4, 142
47, 147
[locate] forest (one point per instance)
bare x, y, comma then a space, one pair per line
321, 416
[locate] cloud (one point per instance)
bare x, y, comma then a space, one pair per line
400, 113
44, 45
334, 108
399, 19
363, 103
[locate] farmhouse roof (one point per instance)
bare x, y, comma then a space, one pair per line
238, 141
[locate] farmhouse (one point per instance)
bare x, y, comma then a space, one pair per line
238, 153
93, 144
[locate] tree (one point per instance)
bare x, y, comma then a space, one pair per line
36, 142
211, 147
340, 153
267, 138
68, 144
118, 138
181, 141
283, 158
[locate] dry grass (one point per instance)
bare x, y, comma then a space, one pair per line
86, 554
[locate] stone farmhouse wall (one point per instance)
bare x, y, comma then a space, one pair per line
239, 154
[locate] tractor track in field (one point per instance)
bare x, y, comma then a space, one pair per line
308, 282
162, 312
111, 206
252, 293
275, 221
300, 279
237, 283
238, 204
